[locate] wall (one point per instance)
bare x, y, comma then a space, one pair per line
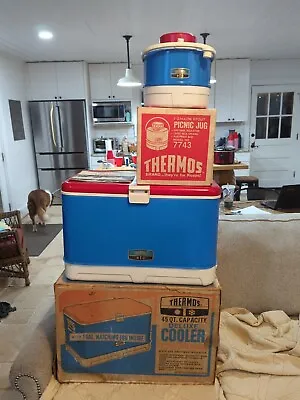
19, 155
274, 72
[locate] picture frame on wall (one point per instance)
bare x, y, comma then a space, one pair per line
15, 108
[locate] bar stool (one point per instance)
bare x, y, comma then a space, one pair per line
251, 181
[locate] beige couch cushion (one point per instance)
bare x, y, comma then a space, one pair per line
259, 262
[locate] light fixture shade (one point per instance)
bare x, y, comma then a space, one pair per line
129, 80
212, 80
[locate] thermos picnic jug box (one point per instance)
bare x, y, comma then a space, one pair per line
118, 332
115, 230
175, 146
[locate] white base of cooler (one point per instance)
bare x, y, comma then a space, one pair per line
174, 276
176, 96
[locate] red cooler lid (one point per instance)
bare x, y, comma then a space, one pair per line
174, 36
74, 185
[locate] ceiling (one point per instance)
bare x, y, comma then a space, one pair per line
92, 30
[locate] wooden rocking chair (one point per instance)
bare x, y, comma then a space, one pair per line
14, 259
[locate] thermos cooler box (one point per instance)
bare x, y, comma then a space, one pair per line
115, 230
123, 332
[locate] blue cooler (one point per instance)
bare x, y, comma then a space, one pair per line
115, 230
177, 72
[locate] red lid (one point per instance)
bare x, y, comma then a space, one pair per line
72, 186
174, 36
109, 154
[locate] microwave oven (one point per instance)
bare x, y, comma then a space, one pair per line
113, 111
101, 145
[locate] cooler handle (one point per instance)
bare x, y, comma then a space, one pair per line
139, 194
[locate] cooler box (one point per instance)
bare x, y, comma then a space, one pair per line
115, 230
124, 332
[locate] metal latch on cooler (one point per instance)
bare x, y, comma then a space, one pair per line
119, 318
139, 194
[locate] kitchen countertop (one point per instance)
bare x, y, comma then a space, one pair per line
98, 155
230, 167
123, 168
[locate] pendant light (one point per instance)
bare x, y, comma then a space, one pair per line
129, 80
204, 36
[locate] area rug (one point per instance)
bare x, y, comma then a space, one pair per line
36, 242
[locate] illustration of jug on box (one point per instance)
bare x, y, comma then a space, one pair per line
157, 133
107, 330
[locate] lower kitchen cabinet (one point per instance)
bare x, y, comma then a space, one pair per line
96, 160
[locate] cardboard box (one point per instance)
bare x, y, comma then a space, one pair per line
175, 146
112, 332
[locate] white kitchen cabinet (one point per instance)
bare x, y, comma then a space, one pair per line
56, 80
42, 81
138, 70
96, 161
211, 101
223, 88
100, 81
232, 92
70, 80
240, 90
117, 71
103, 82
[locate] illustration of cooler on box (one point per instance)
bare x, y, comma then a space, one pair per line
107, 330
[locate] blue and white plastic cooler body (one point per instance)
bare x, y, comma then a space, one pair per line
128, 233
177, 74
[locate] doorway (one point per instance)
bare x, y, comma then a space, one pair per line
1, 204
274, 137
5, 204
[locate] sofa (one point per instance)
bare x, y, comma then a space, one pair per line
258, 268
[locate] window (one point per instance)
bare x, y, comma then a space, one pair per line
274, 113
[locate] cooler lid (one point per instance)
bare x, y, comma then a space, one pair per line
106, 310
177, 37
118, 182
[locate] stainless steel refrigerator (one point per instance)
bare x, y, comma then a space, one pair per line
59, 134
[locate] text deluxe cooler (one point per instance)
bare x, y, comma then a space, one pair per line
129, 233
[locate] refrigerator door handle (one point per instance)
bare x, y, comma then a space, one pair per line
60, 128
52, 125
